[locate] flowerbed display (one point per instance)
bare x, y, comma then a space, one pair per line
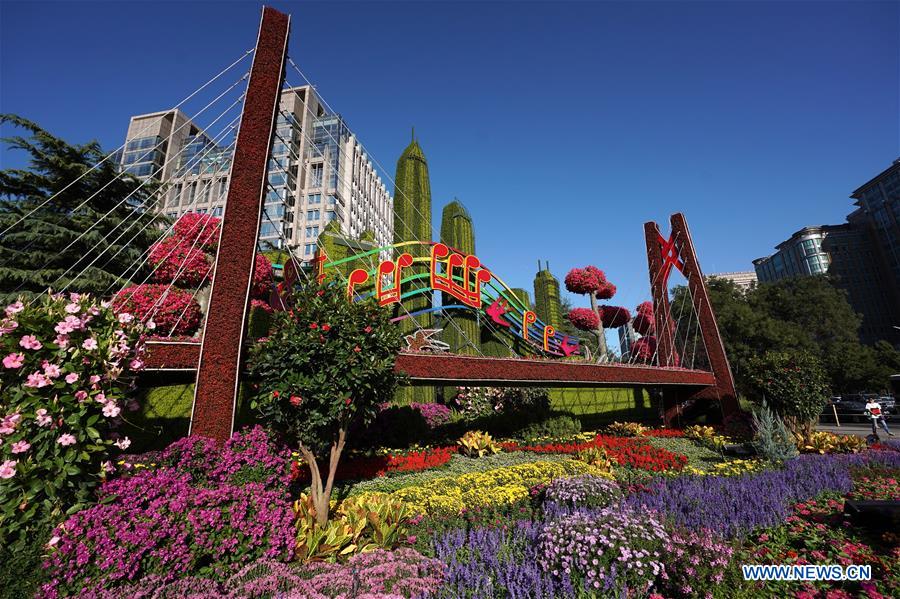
500, 486
626, 451
606, 551
699, 564
583, 491
475, 444
68, 363
362, 468
201, 510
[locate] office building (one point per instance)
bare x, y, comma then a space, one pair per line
318, 172
744, 280
844, 252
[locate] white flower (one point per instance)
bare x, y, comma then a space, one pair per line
123, 443
125, 317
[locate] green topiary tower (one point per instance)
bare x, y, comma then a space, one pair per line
412, 222
457, 232
546, 297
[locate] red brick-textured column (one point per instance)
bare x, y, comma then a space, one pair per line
724, 390
665, 338
215, 395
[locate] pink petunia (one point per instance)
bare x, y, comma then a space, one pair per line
30, 342
51, 370
7, 326
14, 308
81, 395
20, 447
36, 380
8, 469
111, 410
71, 377
125, 318
42, 418
100, 397
73, 308
66, 440
13, 361
136, 364
89, 344
62, 340
94, 379
9, 423
123, 444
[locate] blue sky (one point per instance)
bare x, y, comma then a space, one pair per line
561, 126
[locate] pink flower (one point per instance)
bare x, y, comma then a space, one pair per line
63, 328
123, 444
81, 395
36, 380
111, 410
13, 361
14, 308
89, 344
20, 447
71, 377
62, 340
150, 325
94, 379
42, 418
100, 397
30, 342
108, 467
7, 326
53, 541
136, 364
73, 308
9, 423
51, 370
66, 439
8, 469
125, 317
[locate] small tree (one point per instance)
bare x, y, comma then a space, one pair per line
794, 384
591, 281
773, 441
326, 366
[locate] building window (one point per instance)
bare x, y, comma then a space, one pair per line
312, 215
315, 175
217, 211
176, 195
329, 216
314, 198
193, 193
309, 249
267, 230
312, 232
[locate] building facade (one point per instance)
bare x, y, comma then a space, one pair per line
878, 200
744, 280
846, 253
318, 172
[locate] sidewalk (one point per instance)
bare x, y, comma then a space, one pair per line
857, 428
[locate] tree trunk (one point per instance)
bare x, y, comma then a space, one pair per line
321, 495
602, 350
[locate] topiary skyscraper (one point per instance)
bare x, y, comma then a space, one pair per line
547, 302
457, 232
412, 222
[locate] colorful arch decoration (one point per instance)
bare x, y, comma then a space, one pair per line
462, 276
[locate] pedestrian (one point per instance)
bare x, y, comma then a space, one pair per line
874, 411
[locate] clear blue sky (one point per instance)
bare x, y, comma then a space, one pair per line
561, 126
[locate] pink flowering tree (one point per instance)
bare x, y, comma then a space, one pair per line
68, 363
324, 370
183, 265
592, 282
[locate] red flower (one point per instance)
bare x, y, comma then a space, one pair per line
275, 393
326, 328
347, 401
357, 349
367, 330
614, 317
320, 293
314, 326
584, 319
296, 400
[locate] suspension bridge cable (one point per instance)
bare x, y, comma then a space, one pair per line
120, 148
135, 214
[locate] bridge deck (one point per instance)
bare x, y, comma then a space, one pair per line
443, 369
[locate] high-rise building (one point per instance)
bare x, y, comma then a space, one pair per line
547, 302
879, 214
845, 252
743, 280
318, 172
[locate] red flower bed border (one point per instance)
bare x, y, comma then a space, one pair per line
372, 467
626, 451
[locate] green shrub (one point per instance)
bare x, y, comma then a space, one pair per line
794, 384
557, 427
774, 442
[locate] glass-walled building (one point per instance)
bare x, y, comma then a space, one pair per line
801, 255
318, 172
